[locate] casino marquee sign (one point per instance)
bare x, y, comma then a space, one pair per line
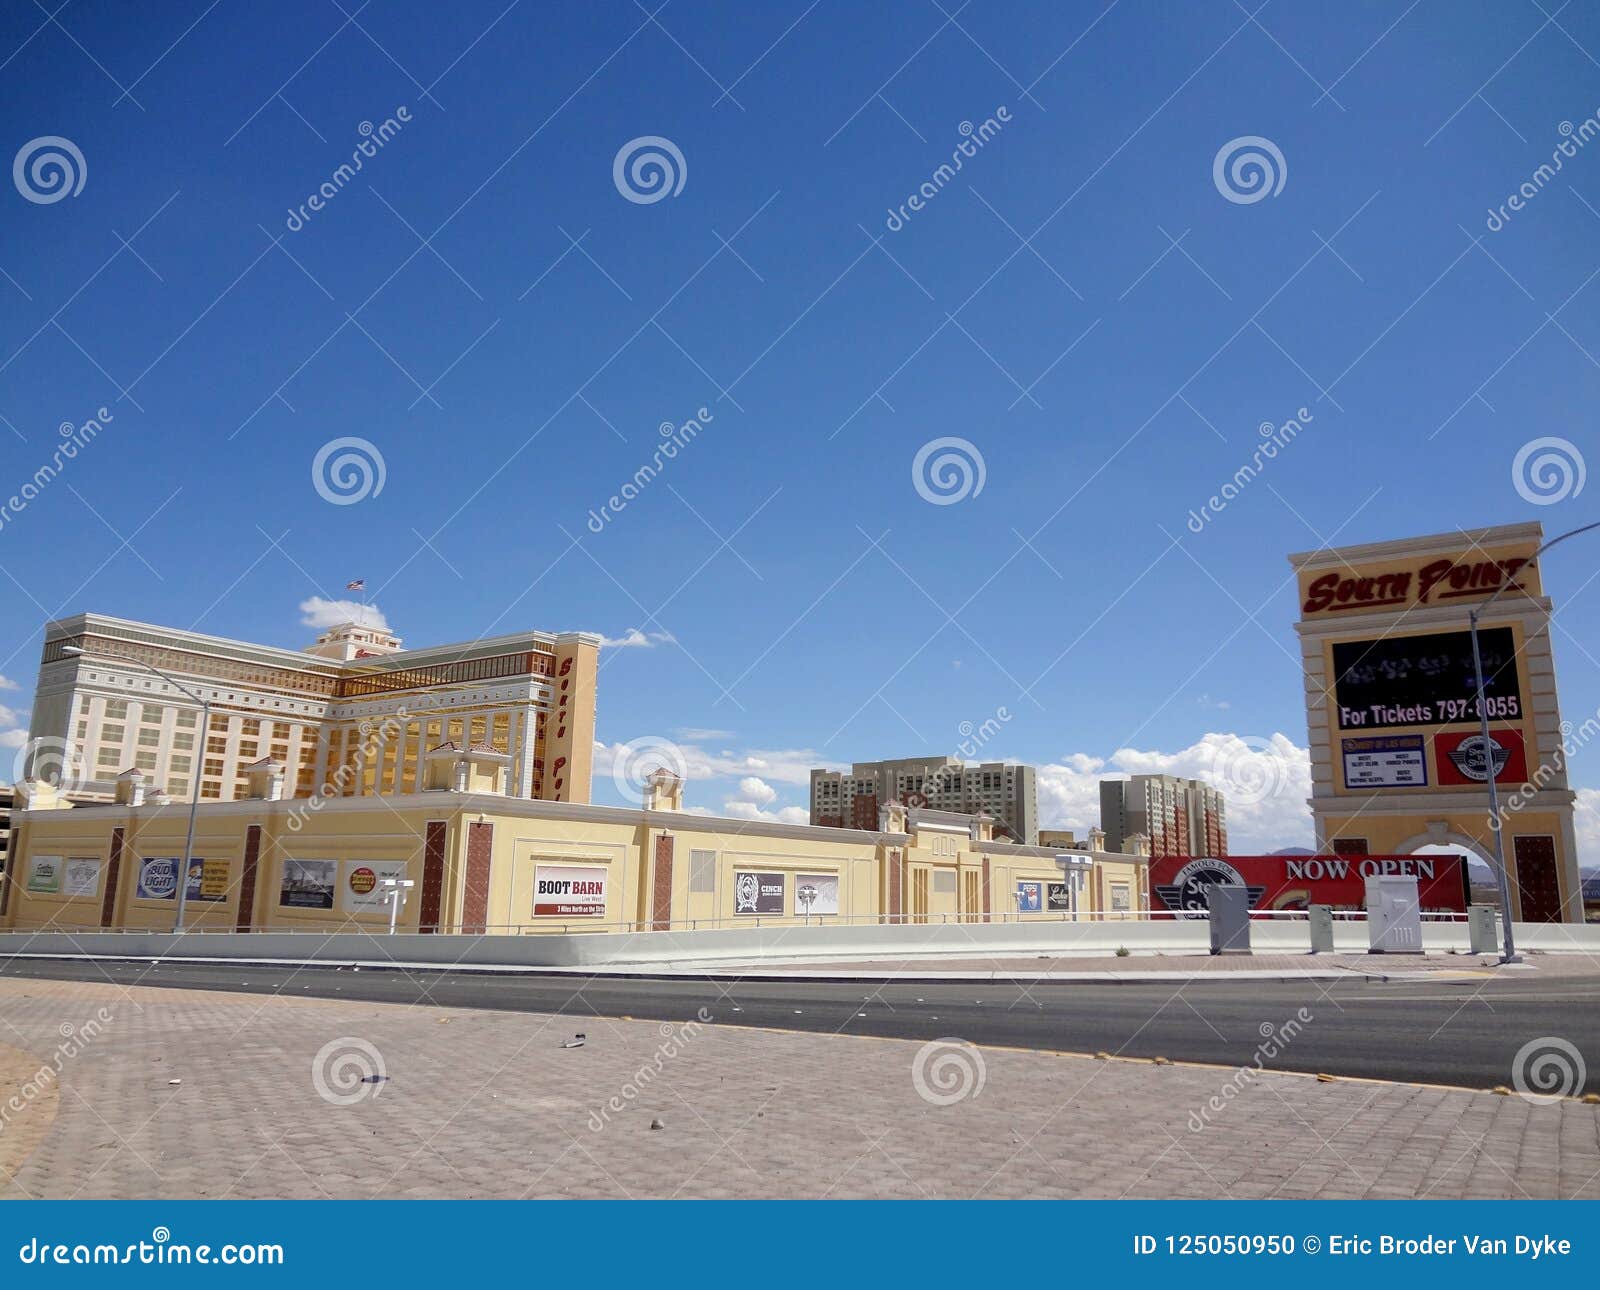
1399, 758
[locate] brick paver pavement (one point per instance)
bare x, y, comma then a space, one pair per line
482, 1103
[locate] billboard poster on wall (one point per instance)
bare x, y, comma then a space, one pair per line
307, 884
1424, 680
362, 891
1178, 883
81, 877
1030, 897
569, 891
1385, 761
823, 889
208, 879
1463, 759
757, 893
158, 878
1057, 899
44, 875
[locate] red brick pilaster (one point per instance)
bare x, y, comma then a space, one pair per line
894, 877
661, 886
475, 906
247, 879
988, 897
432, 875
108, 904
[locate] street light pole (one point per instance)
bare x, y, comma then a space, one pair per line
1502, 876
194, 777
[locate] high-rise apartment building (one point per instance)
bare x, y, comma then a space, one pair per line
1181, 817
354, 711
1005, 790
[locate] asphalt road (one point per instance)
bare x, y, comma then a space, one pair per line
1461, 1032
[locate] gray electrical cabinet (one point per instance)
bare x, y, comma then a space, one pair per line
1394, 916
1229, 906
1481, 929
1320, 918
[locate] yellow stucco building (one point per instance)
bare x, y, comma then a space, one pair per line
482, 861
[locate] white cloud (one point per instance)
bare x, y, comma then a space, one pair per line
13, 738
317, 612
1266, 783
779, 765
752, 788
633, 638
9, 716
699, 734
741, 810
6, 683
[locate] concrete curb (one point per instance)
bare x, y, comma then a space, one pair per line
667, 972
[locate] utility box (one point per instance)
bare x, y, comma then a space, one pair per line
1229, 907
1481, 929
1394, 916
1320, 918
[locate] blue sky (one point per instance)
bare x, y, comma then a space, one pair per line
1081, 303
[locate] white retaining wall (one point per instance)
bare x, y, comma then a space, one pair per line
776, 944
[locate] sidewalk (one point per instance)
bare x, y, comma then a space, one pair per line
190, 1093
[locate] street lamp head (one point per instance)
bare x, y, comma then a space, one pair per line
73, 649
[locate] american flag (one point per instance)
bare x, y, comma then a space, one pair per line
360, 584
